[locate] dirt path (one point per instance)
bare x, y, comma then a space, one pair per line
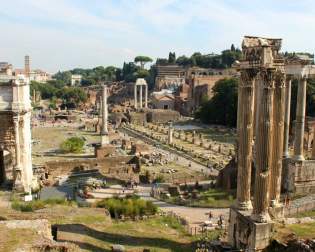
194, 215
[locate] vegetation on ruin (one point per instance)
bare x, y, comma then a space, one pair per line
131, 206
215, 198
72, 145
222, 107
37, 204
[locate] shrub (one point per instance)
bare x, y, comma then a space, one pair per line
129, 207
72, 145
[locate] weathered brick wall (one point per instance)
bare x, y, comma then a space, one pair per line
111, 166
7, 140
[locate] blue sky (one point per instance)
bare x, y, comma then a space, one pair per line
63, 34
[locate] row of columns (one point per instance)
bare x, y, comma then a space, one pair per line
298, 151
141, 96
268, 137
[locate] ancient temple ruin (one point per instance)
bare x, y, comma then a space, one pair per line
260, 121
140, 82
15, 132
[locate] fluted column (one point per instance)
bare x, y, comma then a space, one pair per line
146, 97
17, 168
245, 138
263, 148
140, 100
287, 118
278, 131
135, 95
300, 120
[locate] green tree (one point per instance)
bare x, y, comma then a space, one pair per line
172, 58
142, 60
222, 107
72, 145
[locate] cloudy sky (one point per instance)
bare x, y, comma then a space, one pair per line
63, 34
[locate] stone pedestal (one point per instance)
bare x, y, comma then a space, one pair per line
246, 234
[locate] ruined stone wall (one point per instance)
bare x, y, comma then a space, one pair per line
7, 140
163, 116
299, 176
107, 166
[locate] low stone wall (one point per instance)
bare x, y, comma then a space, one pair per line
299, 176
109, 166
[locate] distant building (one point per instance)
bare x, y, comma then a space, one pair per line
163, 99
169, 76
76, 79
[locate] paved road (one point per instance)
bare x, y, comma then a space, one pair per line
182, 159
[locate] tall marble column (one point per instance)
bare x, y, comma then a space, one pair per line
245, 138
278, 130
170, 134
17, 168
287, 118
300, 120
135, 95
140, 100
263, 148
146, 97
104, 133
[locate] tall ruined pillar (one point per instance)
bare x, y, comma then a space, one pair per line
17, 168
278, 130
313, 147
146, 97
104, 138
135, 95
245, 138
300, 120
264, 139
287, 118
140, 100
170, 133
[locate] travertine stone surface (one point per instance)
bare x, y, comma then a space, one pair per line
300, 120
264, 139
245, 136
278, 130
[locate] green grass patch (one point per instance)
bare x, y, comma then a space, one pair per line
129, 207
210, 198
37, 204
305, 231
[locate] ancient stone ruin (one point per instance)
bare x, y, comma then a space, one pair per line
260, 118
15, 133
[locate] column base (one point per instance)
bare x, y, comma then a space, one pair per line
104, 140
244, 206
286, 155
299, 157
261, 218
276, 210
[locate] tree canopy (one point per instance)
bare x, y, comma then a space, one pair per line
222, 107
142, 60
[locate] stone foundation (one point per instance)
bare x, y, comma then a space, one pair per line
244, 233
104, 151
298, 176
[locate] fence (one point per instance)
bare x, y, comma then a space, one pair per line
296, 209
